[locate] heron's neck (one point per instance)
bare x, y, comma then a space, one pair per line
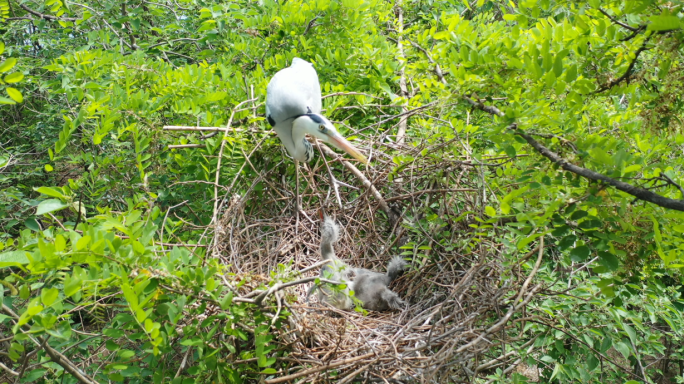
303, 149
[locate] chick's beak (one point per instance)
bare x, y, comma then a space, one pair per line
342, 143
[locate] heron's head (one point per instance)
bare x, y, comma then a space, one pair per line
320, 127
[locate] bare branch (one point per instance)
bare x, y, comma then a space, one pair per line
45, 16
618, 22
628, 72
639, 193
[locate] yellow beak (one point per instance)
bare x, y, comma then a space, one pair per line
342, 143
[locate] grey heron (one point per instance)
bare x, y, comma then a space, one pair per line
293, 108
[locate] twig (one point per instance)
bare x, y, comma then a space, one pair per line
223, 129
311, 24
403, 90
9, 370
438, 69
366, 183
318, 369
46, 17
186, 146
333, 181
628, 72
418, 193
350, 94
220, 157
614, 20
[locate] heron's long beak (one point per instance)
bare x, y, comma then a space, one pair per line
342, 143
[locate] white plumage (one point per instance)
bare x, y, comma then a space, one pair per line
293, 107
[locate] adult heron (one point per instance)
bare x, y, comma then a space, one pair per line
293, 108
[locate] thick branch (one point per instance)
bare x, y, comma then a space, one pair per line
637, 192
640, 193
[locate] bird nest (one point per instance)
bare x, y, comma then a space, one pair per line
462, 301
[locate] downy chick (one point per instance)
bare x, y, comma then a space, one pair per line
335, 269
370, 287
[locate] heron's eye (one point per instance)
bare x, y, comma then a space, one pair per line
321, 128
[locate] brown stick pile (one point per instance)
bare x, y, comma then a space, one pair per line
461, 298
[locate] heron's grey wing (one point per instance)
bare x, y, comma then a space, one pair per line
293, 91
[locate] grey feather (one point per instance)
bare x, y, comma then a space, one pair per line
293, 91
370, 287
335, 269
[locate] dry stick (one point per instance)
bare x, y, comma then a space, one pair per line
182, 364
9, 370
333, 181
403, 122
640, 193
366, 183
514, 307
218, 165
194, 128
318, 369
161, 230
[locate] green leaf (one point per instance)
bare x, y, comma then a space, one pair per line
50, 205
14, 77
15, 94
580, 253
50, 191
608, 260
490, 211
623, 348
664, 23
32, 224
48, 296
8, 64
34, 375
13, 258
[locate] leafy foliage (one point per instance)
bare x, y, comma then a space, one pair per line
90, 193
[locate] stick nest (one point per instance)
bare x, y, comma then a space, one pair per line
460, 296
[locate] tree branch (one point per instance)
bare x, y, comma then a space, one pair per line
618, 22
46, 17
639, 193
627, 73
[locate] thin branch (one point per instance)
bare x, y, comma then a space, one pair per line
45, 16
350, 94
393, 216
618, 22
628, 72
171, 41
220, 157
9, 370
180, 146
311, 24
438, 69
670, 181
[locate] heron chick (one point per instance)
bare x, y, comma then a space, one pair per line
370, 287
